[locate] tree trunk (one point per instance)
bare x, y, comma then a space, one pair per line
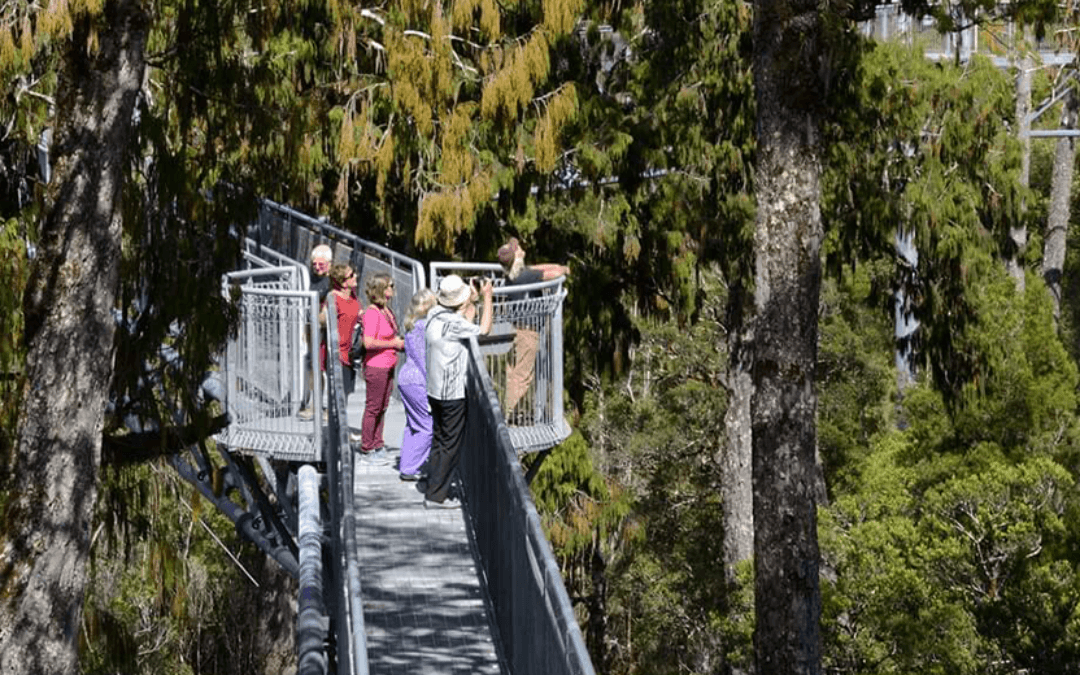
1057, 224
1018, 233
70, 332
736, 479
790, 68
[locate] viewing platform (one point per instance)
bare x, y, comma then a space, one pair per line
387, 584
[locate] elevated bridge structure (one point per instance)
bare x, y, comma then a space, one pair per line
385, 585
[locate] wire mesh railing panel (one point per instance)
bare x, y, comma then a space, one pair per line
536, 623
266, 368
523, 354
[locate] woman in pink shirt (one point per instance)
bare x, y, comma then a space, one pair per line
382, 343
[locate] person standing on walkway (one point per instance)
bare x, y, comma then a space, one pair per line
449, 324
321, 257
381, 345
346, 306
412, 383
520, 375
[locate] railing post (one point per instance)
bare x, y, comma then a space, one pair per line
317, 403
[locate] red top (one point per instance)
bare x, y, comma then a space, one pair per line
347, 310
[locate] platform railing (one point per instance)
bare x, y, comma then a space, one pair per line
523, 354
345, 600
295, 234
267, 366
536, 624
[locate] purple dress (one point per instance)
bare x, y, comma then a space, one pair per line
412, 383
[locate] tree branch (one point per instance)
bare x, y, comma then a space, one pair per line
119, 449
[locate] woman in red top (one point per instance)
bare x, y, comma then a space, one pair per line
343, 286
381, 344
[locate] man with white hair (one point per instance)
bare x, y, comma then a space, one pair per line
449, 324
321, 258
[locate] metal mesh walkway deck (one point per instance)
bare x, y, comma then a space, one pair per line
425, 609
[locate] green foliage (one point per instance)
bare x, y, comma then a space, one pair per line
927, 150
657, 439
949, 543
165, 597
13, 270
856, 372
927, 580
669, 114
441, 108
1027, 401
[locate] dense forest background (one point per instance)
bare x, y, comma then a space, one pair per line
620, 140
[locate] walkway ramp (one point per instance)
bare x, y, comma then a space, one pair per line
425, 608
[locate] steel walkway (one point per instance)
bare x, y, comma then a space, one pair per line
425, 609
386, 585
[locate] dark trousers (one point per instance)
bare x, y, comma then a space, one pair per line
448, 435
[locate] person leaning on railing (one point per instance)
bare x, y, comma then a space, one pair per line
449, 325
520, 375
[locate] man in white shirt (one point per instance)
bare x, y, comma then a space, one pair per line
449, 325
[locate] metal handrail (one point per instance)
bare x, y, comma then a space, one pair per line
276, 260
535, 619
350, 636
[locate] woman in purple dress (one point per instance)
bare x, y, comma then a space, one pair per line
412, 383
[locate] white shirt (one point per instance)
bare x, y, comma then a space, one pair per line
447, 356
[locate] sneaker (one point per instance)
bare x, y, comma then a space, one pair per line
355, 437
307, 414
378, 457
409, 477
450, 503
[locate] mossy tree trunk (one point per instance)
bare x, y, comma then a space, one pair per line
1057, 225
1018, 236
70, 331
736, 479
790, 71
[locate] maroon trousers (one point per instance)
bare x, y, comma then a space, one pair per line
379, 383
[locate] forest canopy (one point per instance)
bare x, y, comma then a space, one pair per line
624, 140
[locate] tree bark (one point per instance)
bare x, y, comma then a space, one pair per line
1057, 225
790, 71
1018, 235
70, 332
736, 479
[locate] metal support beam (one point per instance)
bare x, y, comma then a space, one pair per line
1054, 133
